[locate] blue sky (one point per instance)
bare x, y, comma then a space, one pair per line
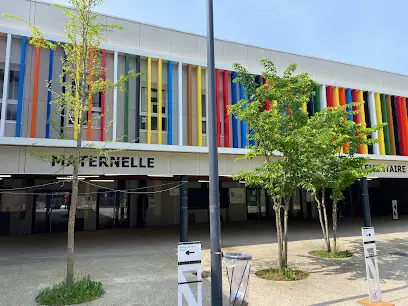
370, 33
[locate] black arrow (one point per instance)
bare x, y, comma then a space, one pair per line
189, 252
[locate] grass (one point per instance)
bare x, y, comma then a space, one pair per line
287, 274
332, 254
77, 292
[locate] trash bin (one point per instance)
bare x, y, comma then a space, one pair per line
238, 266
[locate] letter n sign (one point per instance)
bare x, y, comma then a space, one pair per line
189, 274
371, 263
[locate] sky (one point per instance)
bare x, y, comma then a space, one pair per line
370, 33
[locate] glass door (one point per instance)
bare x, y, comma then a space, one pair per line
112, 209
50, 213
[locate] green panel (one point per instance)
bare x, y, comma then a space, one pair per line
317, 99
384, 120
126, 119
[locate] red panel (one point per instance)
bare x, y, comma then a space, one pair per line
102, 130
354, 98
217, 105
400, 119
226, 116
404, 123
329, 96
267, 104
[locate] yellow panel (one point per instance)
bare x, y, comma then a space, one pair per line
336, 100
379, 121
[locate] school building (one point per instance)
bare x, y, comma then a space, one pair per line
159, 148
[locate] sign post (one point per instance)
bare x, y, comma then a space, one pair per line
395, 209
189, 273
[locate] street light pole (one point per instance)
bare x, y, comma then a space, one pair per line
365, 202
215, 229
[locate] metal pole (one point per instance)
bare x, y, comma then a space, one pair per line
215, 229
183, 209
365, 202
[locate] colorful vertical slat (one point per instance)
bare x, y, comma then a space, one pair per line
21, 86
5, 86
170, 103
49, 95
401, 132
149, 100
373, 121
226, 116
404, 124
356, 115
34, 96
390, 125
217, 106
396, 124
364, 148
336, 98
159, 101
234, 100
90, 95
115, 96
379, 121
199, 109
137, 106
349, 102
267, 104
126, 110
64, 80
323, 99
386, 127
329, 96
242, 122
367, 119
180, 103
189, 107
317, 99
102, 128
342, 96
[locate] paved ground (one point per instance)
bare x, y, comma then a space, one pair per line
138, 267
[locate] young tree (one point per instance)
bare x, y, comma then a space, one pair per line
83, 77
330, 141
275, 130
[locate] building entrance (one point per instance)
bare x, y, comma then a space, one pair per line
50, 213
112, 209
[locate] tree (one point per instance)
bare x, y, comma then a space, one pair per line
276, 136
329, 144
84, 34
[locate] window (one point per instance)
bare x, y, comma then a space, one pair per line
11, 112
204, 114
143, 109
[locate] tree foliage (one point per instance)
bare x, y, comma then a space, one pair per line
276, 135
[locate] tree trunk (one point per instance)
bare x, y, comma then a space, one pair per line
335, 225
319, 209
279, 234
326, 221
285, 233
72, 212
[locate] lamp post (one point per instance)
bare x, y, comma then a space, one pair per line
215, 229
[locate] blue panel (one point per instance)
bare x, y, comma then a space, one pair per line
62, 119
170, 103
349, 101
234, 119
242, 123
21, 85
47, 121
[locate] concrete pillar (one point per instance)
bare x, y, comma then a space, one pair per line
133, 202
184, 209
